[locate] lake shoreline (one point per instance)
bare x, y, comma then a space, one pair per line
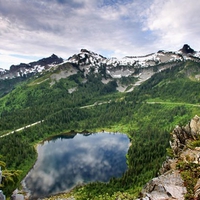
54, 137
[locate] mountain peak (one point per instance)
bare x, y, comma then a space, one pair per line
85, 51
187, 49
86, 57
23, 69
91, 53
53, 56
53, 59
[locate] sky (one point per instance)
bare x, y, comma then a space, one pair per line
34, 29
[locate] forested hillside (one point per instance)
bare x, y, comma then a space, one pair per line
146, 115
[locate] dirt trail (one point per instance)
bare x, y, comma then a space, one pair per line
20, 129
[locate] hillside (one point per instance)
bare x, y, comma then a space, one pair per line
140, 68
82, 93
180, 175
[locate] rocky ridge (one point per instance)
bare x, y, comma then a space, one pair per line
24, 69
87, 61
172, 183
141, 68
131, 65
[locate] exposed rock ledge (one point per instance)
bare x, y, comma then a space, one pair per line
170, 185
167, 186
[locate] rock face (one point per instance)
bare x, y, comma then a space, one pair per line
169, 185
24, 69
195, 126
87, 60
186, 49
45, 62
181, 135
17, 196
2, 196
166, 187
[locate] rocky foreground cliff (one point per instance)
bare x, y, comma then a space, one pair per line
180, 174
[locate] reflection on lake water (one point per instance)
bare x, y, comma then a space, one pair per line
66, 162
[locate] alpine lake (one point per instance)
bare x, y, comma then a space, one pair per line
74, 159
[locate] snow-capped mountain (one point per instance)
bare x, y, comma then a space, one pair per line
87, 60
24, 69
116, 68
92, 59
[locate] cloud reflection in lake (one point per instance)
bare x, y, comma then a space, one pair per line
64, 163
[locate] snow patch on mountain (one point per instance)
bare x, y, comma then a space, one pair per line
197, 54
87, 61
91, 59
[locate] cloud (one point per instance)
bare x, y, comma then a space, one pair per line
174, 22
116, 27
9, 59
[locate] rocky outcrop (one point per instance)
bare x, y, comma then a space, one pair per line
45, 62
181, 135
195, 126
2, 196
167, 186
52, 60
170, 185
17, 196
88, 61
186, 49
31, 68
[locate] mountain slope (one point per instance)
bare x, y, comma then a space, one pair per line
19, 73
81, 96
88, 59
141, 67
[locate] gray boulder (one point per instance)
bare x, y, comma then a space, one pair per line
167, 186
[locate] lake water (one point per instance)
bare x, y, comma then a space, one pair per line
65, 162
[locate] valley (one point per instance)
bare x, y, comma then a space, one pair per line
160, 91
